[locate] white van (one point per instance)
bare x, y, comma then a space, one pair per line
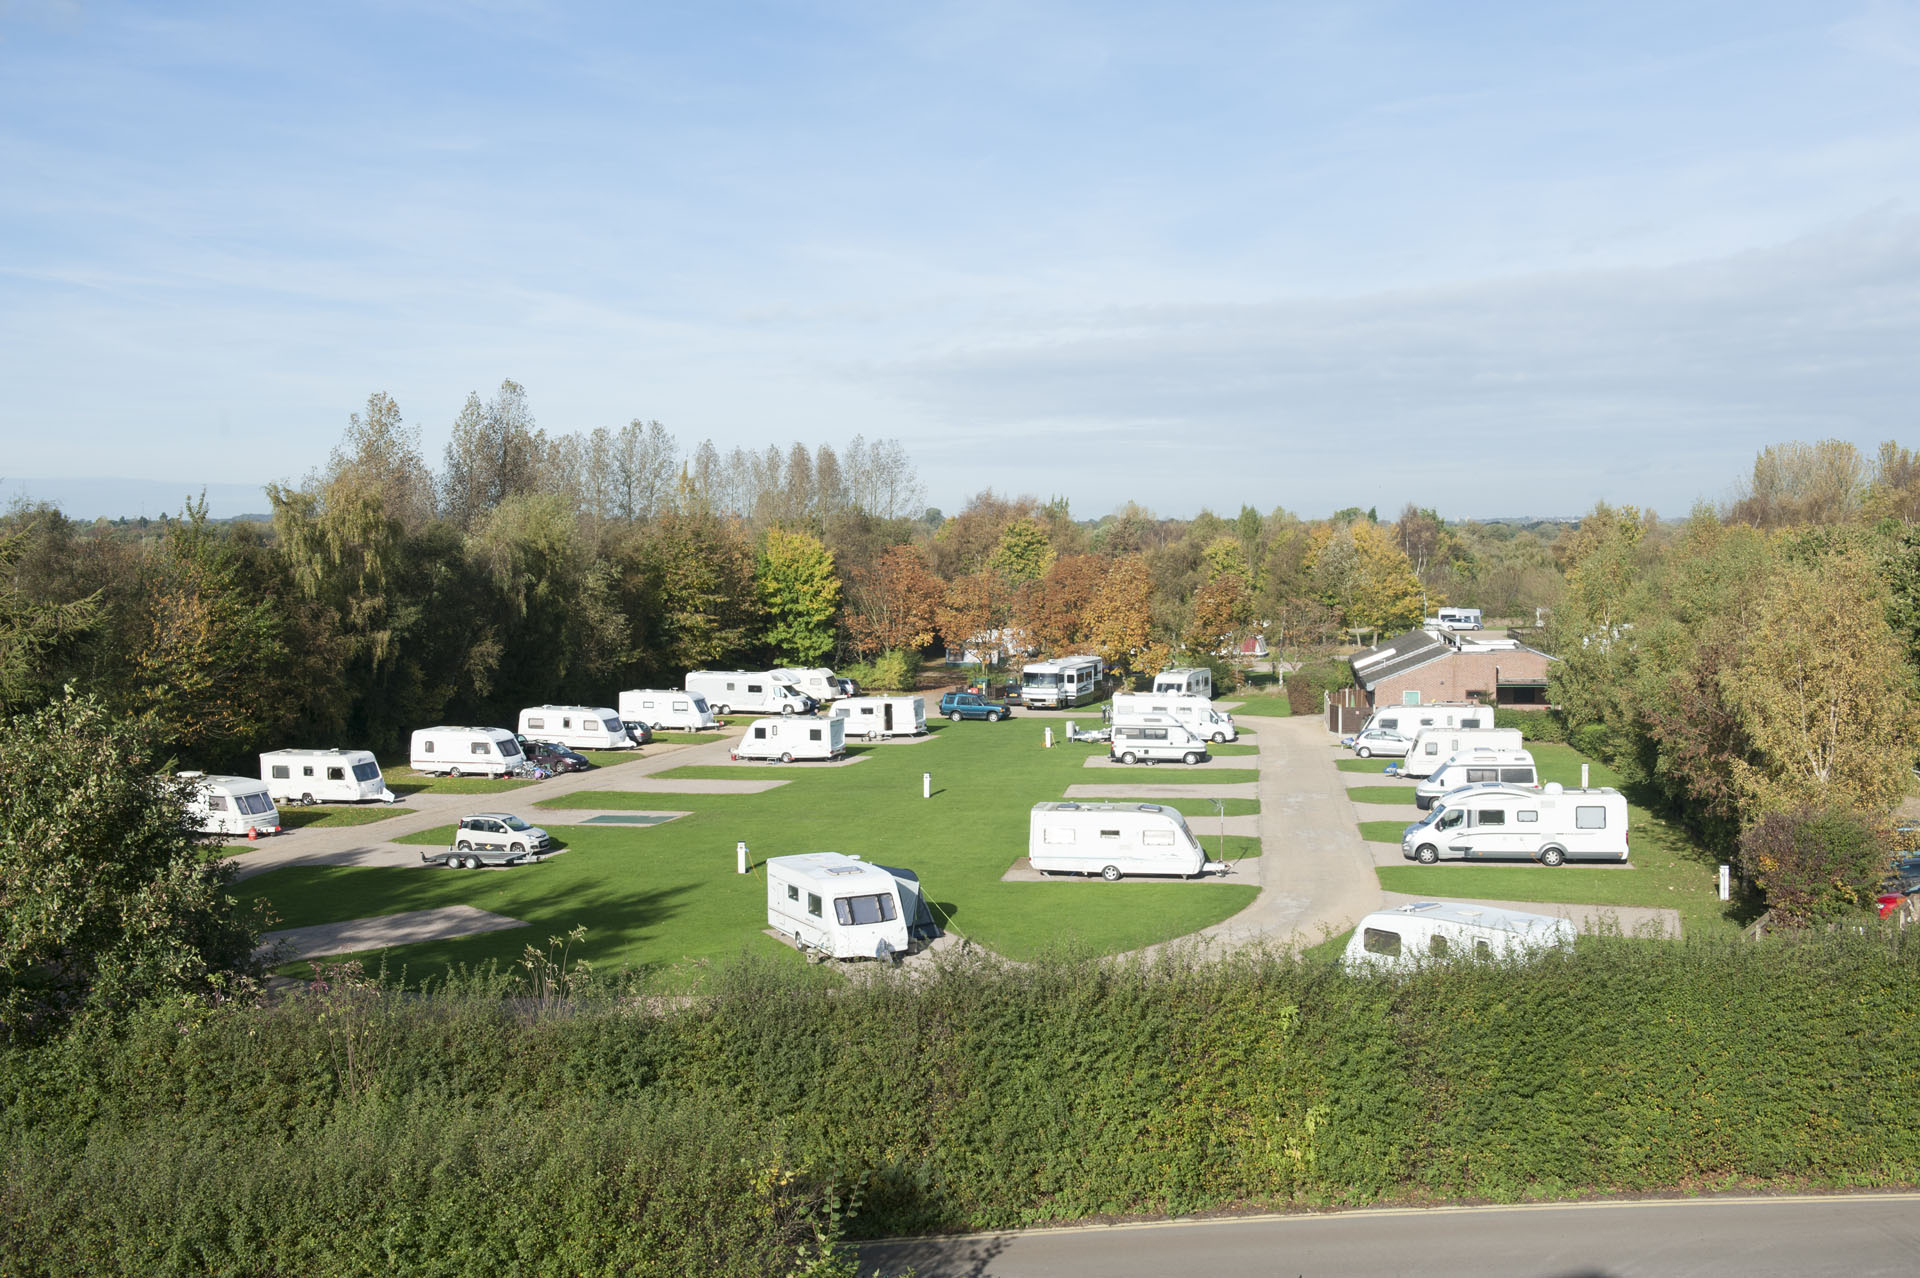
1198, 713
876, 717
1197, 682
789, 739
1139, 741
1477, 767
1505, 823
685, 711
1399, 940
465, 752
1409, 720
230, 805
1062, 682
575, 727
817, 682
842, 907
1458, 618
324, 776
1113, 840
752, 692
1434, 746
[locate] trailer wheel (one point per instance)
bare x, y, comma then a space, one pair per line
1426, 854
955, 716
1111, 874
1361, 752
786, 756
306, 800
1553, 856
1129, 758
451, 862
1190, 758
993, 716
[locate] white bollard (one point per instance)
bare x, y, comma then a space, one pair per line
1583, 784
1726, 882
1049, 744
926, 785
740, 850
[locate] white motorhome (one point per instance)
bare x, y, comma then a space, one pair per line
1113, 840
875, 717
465, 752
686, 711
324, 776
1198, 682
1064, 681
789, 739
1408, 720
1402, 939
1196, 712
575, 727
1166, 741
1477, 767
1506, 822
817, 682
1434, 746
230, 805
842, 907
1458, 618
749, 691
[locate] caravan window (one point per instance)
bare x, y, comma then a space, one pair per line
753, 687
1056, 834
216, 803
1482, 774
1593, 817
1527, 816
793, 893
813, 905
813, 734
1157, 838
854, 911
1490, 816
1517, 776
611, 725
1451, 820
307, 770
482, 747
1109, 834
1379, 940
1390, 724
280, 772
1437, 944
535, 725
336, 774
366, 770
759, 734
509, 748
567, 721
254, 804
426, 747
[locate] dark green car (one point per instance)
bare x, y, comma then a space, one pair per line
971, 705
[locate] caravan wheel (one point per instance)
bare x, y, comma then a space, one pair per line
1111, 874
786, 756
454, 773
1553, 856
723, 710
306, 800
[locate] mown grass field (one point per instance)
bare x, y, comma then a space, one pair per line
1383, 831
323, 816
404, 781
666, 898
1259, 704
1372, 767
1391, 794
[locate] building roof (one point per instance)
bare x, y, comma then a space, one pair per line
1397, 655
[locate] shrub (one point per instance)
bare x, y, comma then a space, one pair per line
1814, 865
1534, 725
1307, 685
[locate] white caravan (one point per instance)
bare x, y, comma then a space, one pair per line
1506, 822
748, 691
1199, 682
842, 907
817, 682
1113, 840
1196, 712
1476, 767
1167, 741
1399, 940
1458, 618
1062, 682
876, 717
1408, 720
1434, 746
465, 752
324, 776
575, 727
686, 711
230, 805
790, 739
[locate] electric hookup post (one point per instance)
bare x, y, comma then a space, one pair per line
926, 785
740, 851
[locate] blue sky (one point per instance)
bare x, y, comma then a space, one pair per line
1495, 259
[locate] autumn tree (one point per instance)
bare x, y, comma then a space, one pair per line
1053, 610
1118, 616
799, 593
1022, 554
1798, 484
494, 454
893, 602
973, 611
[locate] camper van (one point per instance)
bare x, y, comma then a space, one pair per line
1408, 720
1458, 618
465, 752
841, 907
1509, 822
230, 805
685, 711
1196, 712
1434, 746
876, 717
1198, 682
1476, 767
1062, 682
1113, 840
817, 682
1168, 741
324, 776
575, 727
789, 739
1399, 940
750, 692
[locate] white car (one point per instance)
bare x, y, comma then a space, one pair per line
491, 838
1388, 745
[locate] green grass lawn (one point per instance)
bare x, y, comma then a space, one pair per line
405, 782
629, 801
1239, 847
666, 897
1381, 794
1230, 749
322, 817
607, 758
1377, 767
1191, 808
1261, 704
686, 738
1383, 831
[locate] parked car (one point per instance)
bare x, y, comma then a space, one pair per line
1388, 745
490, 838
554, 758
642, 733
971, 705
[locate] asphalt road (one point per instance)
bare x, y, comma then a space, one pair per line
1856, 1236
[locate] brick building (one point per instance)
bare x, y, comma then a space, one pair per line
1437, 665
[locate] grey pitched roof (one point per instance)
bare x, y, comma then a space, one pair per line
1396, 656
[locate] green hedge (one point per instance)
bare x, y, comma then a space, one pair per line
359, 1132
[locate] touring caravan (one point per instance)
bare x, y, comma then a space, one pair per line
842, 907
685, 711
1475, 767
575, 727
1166, 741
875, 717
324, 776
1113, 840
1196, 712
817, 682
1398, 940
1434, 746
750, 692
465, 752
230, 805
1196, 681
1064, 681
1408, 720
790, 739
1506, 822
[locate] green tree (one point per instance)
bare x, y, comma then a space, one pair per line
800, 594
28, 627
1023, 552
1814, 864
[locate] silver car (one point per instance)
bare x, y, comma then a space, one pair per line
1388, 745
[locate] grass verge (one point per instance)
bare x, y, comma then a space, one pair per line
323, 817
1374, 767
1396, 794
1383, 831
